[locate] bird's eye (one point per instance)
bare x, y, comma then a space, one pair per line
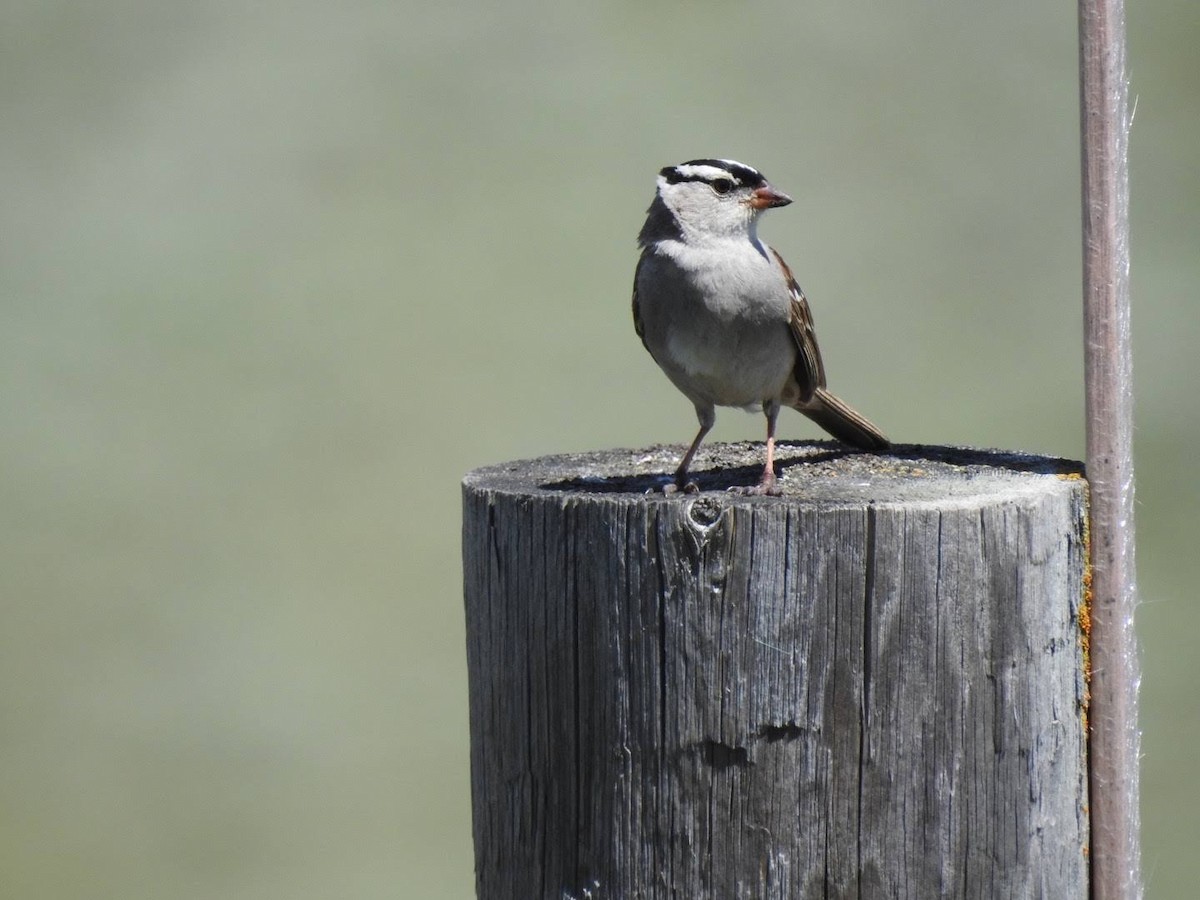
722, 185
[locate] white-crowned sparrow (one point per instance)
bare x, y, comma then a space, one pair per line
721, 313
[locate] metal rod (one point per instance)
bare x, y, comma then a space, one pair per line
1113, 747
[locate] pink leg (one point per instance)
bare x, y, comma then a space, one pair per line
767, 484
707, 417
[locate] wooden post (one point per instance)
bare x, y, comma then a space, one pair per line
869, 687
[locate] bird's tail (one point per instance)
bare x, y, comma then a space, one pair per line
843, 422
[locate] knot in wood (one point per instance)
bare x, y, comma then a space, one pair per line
703, 513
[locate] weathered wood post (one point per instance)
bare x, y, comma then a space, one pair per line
872, 686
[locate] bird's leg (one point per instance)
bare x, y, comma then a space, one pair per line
767, 484
707, 417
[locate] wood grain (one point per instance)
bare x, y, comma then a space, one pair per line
870, 687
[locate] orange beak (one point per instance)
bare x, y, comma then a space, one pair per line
766, 197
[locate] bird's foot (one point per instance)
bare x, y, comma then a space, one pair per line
767, 487
687, 487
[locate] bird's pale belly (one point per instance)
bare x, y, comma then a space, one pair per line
732, 366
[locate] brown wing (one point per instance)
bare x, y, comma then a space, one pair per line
809, 371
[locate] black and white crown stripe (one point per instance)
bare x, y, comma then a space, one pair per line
709, 170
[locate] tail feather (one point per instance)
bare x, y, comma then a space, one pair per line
843, 422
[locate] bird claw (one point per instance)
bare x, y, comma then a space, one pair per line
758, 490
675, 488
768, 487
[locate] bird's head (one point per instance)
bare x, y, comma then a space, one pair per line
715, 197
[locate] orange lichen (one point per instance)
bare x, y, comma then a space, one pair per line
1085, 610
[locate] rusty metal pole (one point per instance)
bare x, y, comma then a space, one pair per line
1114, 740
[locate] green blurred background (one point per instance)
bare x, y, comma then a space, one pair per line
275, 275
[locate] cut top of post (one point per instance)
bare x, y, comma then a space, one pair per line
810, 472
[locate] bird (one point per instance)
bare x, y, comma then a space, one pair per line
722, 315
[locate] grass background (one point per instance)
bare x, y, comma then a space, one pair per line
273, 276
